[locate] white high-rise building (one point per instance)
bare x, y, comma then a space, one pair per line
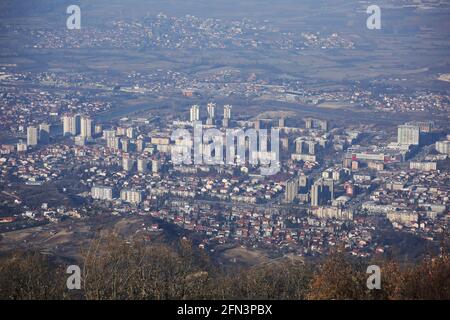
44, 133
195, 113
140, 144
291, 190
211, 108
127, 164
322, 191
227, 111
408, 135
125, 145
32, 136
67, 125
113, 143
86, 127
142, 165
155, 166
71, 125
131, 132
425, 126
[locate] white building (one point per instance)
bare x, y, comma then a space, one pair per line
102, 193
408, 134
195, 113
71, 125
291, 190
113, 143
142, 165
127, 164
155, 166
21, 146
227, 111
131, 196
32, 136
211, 108
327, 212
423, 166
44, 133
406, 218
86, 127
443, 147
109, 134
131, 133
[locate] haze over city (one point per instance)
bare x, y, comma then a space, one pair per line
224, 150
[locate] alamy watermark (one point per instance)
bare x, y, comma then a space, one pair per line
374, 21
214, 147
73, 22
374, 280
74, 280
